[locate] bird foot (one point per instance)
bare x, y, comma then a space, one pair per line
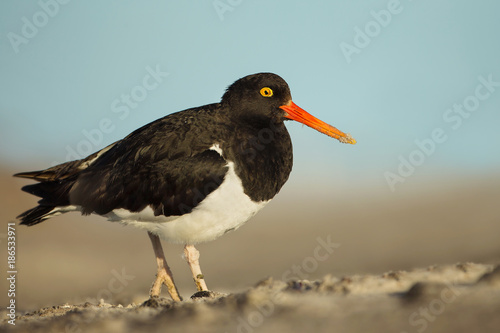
163, 278
163, 275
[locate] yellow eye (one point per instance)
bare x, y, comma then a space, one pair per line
266, 92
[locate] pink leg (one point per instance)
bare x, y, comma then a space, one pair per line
164, 275
192, 256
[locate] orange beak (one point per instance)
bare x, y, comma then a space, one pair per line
296, 113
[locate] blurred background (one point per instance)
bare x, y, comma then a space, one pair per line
416, 83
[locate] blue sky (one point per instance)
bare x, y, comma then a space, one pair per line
417, 83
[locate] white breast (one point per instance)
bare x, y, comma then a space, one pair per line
225, 209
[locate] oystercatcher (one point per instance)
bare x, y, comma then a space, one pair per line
189, 177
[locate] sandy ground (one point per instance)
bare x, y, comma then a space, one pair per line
352, 262
458, 298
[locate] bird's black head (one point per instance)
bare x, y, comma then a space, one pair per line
265, 97
257, 96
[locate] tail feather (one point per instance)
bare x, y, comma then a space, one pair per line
53, 189
36, 175
37, 215
52, 193
58, 172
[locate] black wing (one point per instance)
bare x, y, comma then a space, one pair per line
167, 165
170, 187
